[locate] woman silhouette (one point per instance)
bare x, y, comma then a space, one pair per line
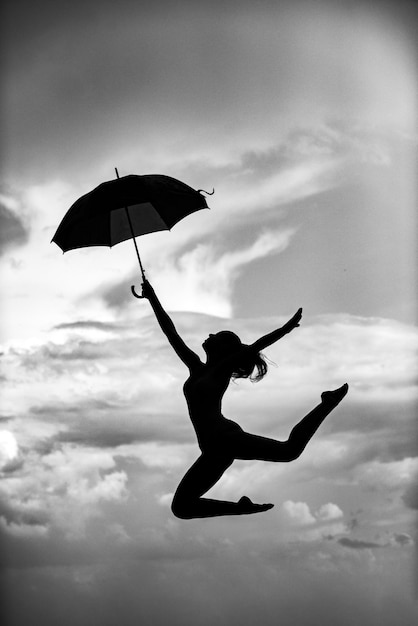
221, 440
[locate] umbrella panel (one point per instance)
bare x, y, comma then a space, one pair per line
144, 219
91, 232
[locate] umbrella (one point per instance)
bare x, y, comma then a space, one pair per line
124, 208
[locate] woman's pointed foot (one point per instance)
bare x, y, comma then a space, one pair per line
246, 506
334, 397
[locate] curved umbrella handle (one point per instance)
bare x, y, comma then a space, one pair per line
135, 294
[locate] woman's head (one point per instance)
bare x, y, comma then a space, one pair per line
225, 343
221, 344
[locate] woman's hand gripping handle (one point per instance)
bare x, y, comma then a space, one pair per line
147, 291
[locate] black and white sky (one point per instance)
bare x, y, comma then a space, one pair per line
302, 116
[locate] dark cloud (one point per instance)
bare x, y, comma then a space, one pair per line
23, 518
6, 418
118, 75
88, 68
384, 430
126, 431
12, 466
75, 350
64, 410
116, 296
55, 358
299, 144
403, 539
357, 544
13, 231
410, 497
89, 324
105, 423
379, 446
52, 550
353, 523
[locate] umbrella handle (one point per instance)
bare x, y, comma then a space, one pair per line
135, 294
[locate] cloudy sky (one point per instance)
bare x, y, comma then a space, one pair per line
302, 116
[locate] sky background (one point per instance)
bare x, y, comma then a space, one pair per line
302, 116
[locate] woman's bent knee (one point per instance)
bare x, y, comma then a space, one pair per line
180, 508
291, 451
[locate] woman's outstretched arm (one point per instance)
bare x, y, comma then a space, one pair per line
229, 361
274, 336
188, 357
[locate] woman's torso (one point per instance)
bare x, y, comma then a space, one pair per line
204, 390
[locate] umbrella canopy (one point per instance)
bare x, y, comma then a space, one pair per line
123, 208
126, 207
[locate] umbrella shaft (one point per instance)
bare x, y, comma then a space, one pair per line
132, 233
134, 240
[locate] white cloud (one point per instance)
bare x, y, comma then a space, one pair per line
9, 449
201, 280
299, 513
165, 499
300, 523
329, 511
295, 182
111, 487
159, 456
66, 487
387, 477
38, 272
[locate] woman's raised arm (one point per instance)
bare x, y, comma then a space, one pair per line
187, 355
274, 336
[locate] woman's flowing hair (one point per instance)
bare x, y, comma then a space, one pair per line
248, 362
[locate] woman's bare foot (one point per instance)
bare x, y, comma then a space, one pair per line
246, 506
334, 397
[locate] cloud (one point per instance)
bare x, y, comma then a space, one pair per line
299, 513
284, 186
13, 232
23, 530
328, 512
247, 198
89, 427
65, 487
410, 497
313, 526
387, 477
127, 110
219, 269
403, 539
89, 324
9, 449
130, 371
121, 414
356, 544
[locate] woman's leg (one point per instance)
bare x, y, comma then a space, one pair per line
253, 447
204, 473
